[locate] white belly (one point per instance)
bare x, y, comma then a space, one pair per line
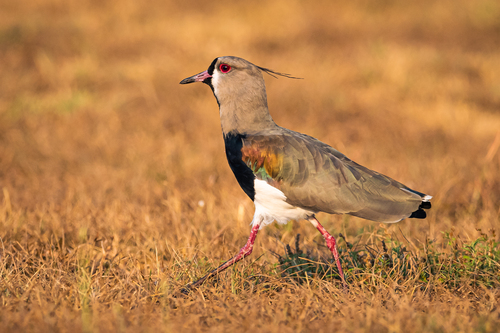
270, 205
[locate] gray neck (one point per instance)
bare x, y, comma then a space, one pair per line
235, 119
244, 110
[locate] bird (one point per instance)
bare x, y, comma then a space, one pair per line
289, 175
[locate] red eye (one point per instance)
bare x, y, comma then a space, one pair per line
224, 68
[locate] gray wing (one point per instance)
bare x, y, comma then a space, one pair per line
317, 177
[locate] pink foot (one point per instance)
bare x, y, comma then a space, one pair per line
332, 245
245, 251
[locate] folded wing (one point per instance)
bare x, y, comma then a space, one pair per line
315, 176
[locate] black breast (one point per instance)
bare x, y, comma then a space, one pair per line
242, 172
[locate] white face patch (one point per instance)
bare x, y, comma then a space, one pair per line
215, 80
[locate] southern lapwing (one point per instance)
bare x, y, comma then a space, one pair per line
289, 175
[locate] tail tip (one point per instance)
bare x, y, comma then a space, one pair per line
420, 212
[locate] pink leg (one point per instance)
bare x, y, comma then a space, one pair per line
332, 245
245, 251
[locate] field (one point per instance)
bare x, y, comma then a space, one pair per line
115, 191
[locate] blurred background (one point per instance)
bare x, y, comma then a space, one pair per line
115, 190
97, 137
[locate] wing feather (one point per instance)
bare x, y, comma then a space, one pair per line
315, 176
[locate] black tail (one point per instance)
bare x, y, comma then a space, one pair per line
420, 212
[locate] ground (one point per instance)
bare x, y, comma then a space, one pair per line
115, 191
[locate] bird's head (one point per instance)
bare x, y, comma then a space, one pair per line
228, 74
240, 90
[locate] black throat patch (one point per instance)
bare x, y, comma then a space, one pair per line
243, 174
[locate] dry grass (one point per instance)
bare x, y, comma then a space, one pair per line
116, 191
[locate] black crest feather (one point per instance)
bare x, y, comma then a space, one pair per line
276, 74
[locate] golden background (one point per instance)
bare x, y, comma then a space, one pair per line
104, 157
